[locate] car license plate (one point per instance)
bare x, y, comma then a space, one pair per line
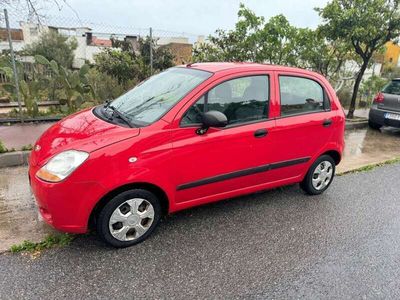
392, 116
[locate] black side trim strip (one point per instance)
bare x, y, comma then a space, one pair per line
241, 173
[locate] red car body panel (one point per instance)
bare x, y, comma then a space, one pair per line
190, 169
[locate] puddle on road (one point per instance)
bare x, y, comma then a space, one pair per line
367, 146
19, 217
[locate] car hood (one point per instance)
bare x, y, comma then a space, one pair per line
81, 131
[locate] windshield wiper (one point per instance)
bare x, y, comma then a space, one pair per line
120, 115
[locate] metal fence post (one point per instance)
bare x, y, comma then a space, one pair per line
151, 51
13, 65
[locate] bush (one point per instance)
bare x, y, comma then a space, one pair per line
106, 87
344, 95
3, 149
54, 46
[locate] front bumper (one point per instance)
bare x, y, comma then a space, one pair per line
377, 116
66, 205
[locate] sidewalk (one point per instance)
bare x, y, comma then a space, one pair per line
17, 136
363, 113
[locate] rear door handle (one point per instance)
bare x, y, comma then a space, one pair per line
327, 122
260, 133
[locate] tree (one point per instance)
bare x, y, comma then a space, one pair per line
316, 53
117, 63
162, 57
366, 25
54, 46
240, 44
125, 64
276, 42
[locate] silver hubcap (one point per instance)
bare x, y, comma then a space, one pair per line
322, 175
131, 219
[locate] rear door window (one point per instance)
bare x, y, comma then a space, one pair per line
392, 87
301, 95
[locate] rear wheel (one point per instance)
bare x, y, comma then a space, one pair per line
374, 125
319, 176
129, 218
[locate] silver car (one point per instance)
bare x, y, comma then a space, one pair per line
385, 110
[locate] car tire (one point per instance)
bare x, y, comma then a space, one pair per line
319, 176
129, 218
374, 125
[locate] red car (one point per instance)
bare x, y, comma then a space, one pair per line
188, 136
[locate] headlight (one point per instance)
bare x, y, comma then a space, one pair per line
62, 165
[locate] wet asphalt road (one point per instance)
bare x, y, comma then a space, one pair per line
344, 244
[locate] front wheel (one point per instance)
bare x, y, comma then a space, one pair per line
319, 176
129, 218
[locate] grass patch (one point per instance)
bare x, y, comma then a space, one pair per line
3, 149
371, 166
27, 148
50, 241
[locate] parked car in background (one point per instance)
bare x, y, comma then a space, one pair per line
191, 135
385, 109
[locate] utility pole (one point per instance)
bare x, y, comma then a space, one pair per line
14, 65
151, 51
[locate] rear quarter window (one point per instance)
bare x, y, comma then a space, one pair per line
301, 95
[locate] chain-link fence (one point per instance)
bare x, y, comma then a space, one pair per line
92, 38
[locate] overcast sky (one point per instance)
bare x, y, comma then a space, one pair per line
197, 17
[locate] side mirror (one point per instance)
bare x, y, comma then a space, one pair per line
212, 118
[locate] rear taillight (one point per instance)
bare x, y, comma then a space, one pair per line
379, 98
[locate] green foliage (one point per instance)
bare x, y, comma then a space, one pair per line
49, 242
365, 25
3, 149
72, 87
116, 63
370, 87
162, 58
240, 44
29, 92
278, 42
28, 147
54, 46
106, 87
274, 42
344, 95
127, 64
391, 72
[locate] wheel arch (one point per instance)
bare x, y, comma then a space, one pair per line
159, 192
334, 154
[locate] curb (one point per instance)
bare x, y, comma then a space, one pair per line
356, 125
19, 158
13, 159
29, 120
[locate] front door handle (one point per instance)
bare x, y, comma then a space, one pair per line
260, 133
327, 122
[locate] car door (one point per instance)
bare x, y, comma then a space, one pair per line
223, 159
305, 123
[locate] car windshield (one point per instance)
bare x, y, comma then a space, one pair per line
392, 87
150, 100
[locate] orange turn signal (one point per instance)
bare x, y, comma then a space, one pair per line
46, 176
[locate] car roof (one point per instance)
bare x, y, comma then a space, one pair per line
222, 66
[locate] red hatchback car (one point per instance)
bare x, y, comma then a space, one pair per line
190, 135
